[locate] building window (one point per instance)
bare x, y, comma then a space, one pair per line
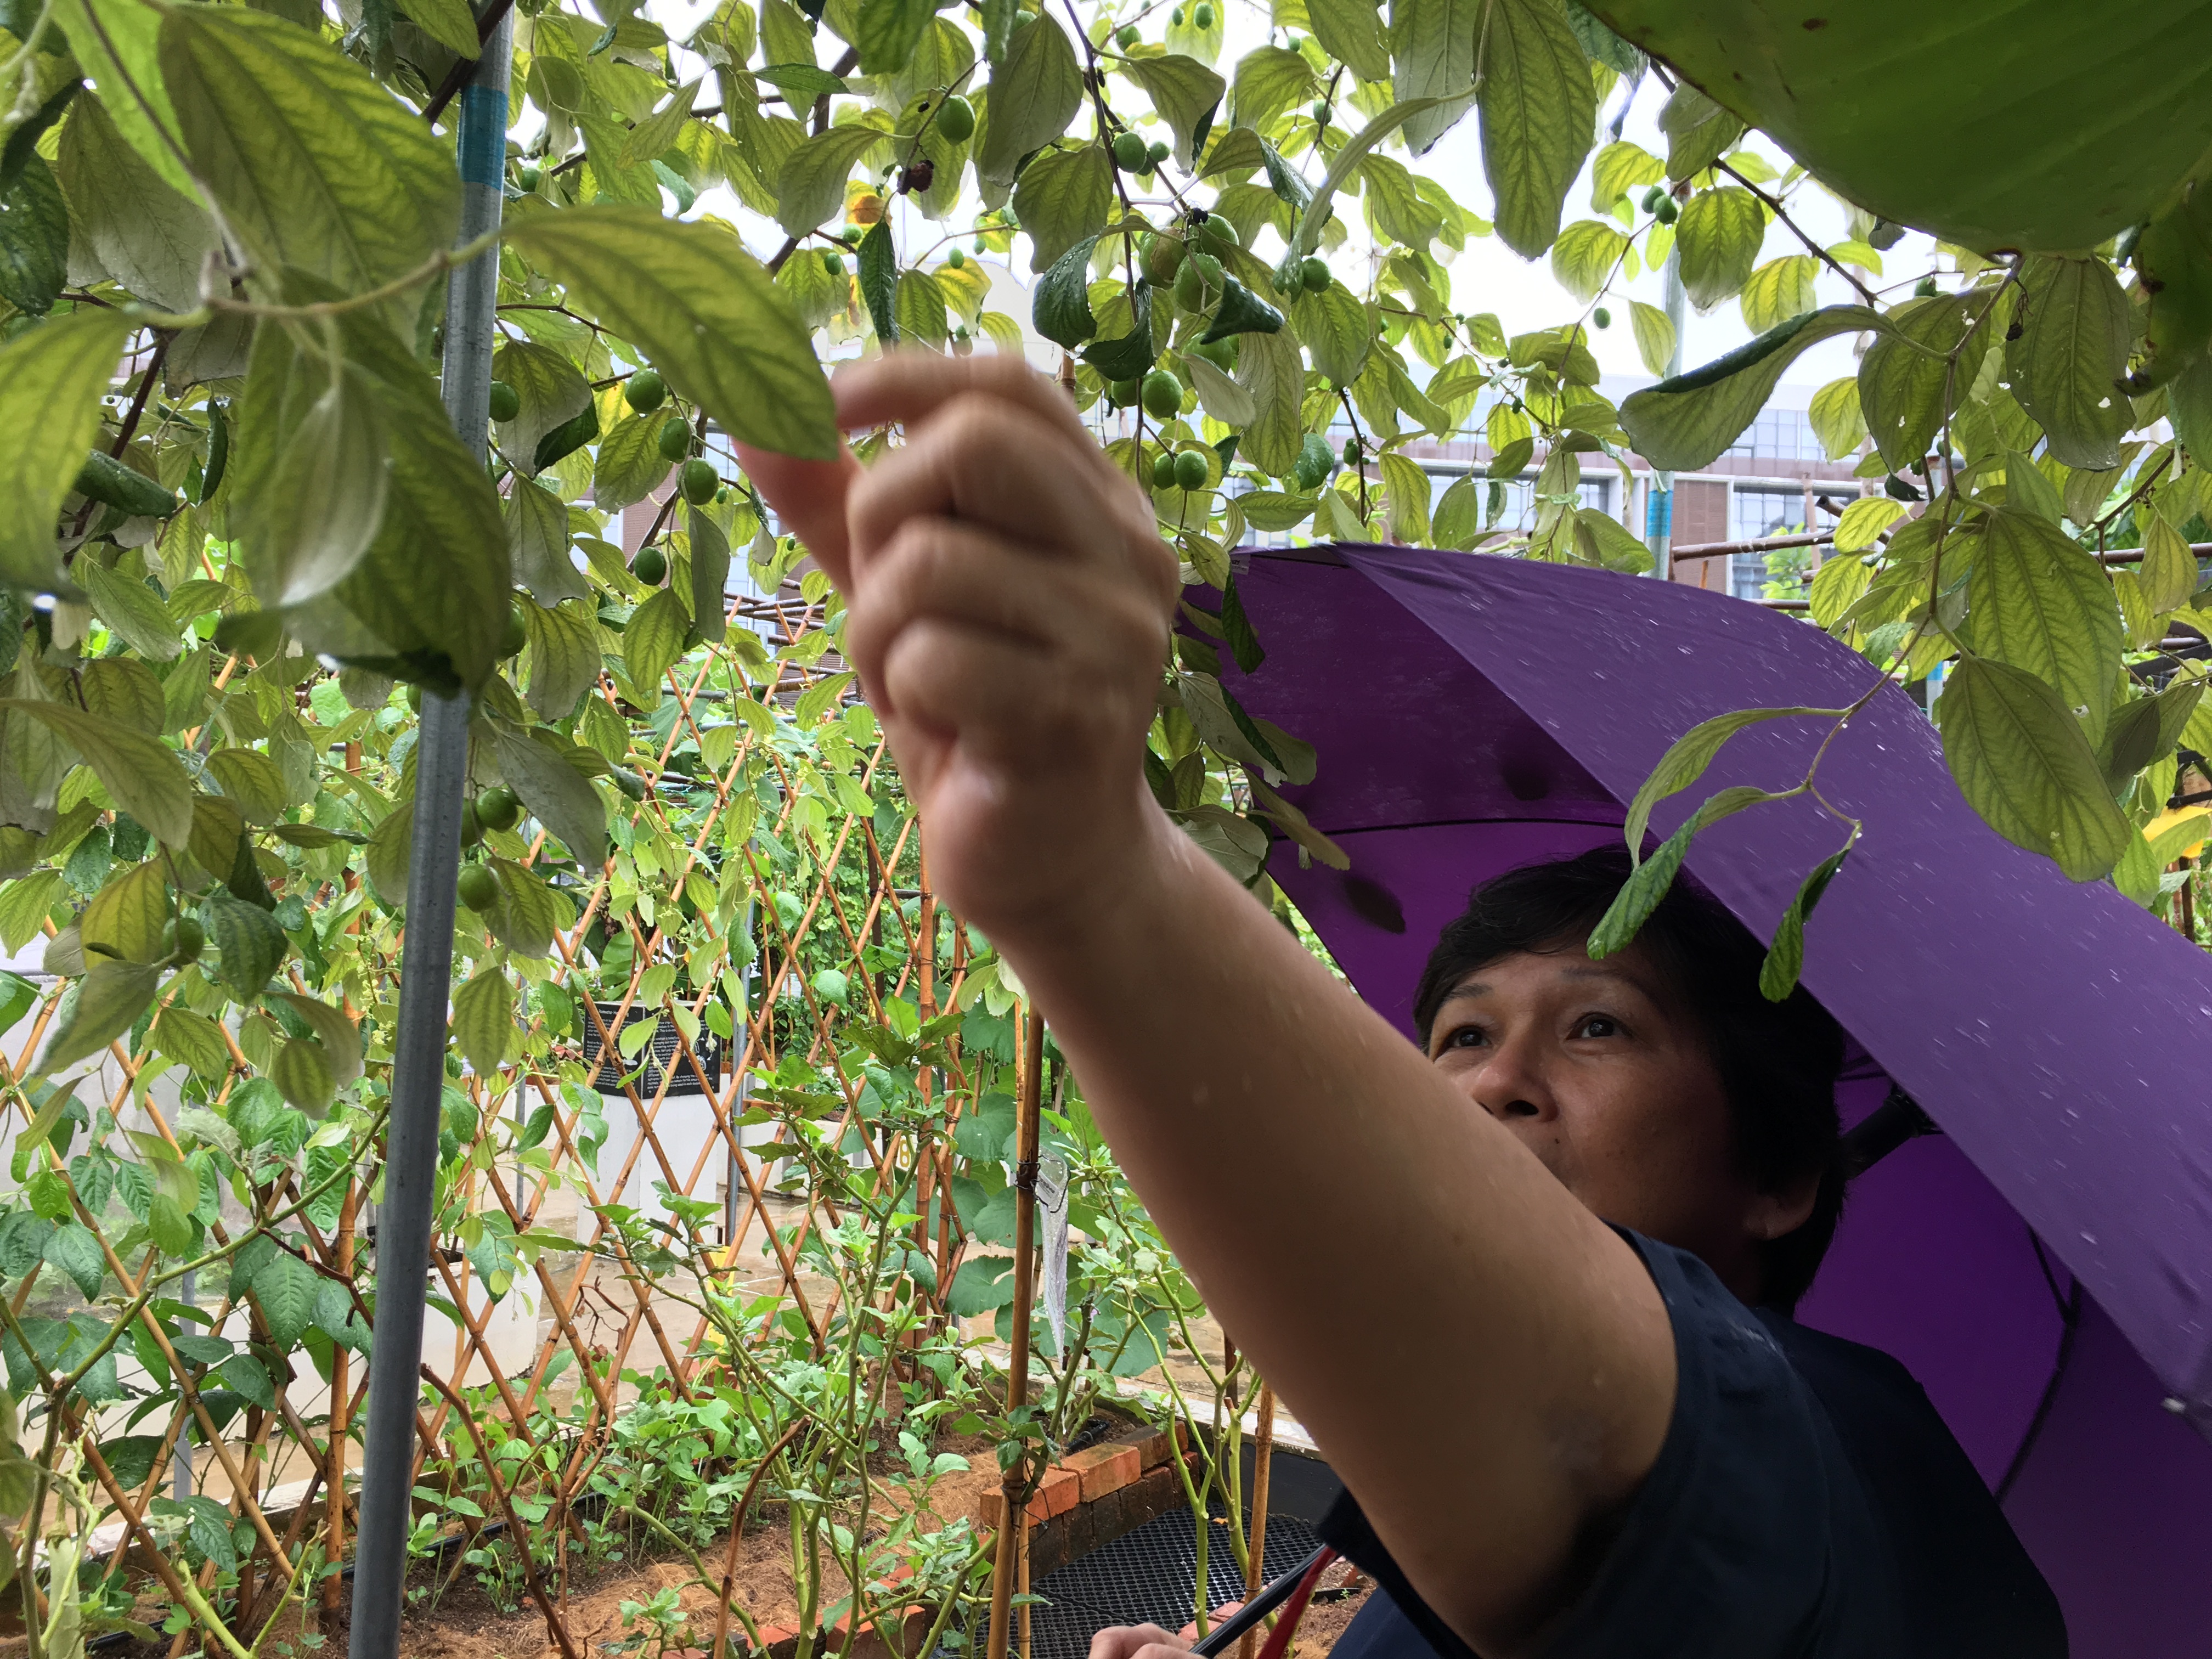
1779, 435
1755, 514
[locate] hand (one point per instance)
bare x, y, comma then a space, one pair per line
1008, 603
1140, 1642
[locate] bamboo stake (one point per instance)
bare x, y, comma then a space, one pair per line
1013, 1524
1255, 1550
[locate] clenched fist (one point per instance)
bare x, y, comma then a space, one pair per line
1008, 605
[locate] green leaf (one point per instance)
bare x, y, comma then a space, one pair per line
1836, 417
1355, 151
1687, 757
98, 1009
1778, 290
251, 944
139, 773
710, 574
629, 464
1584, 257
2036, 601
50, 381
1901, 381
2019, 758
302, 1071
253, 783
1186, 94
1433, 44
1655, 340
654, 640
483, 1020
1683, 425
1718, 239
549, 389
1350, 32
811, 186
308, 525
564, 658
555, 793
1648, 883
286, 1288
2169, 568
449, 22
132, 611
1405, 489
389, 848
2072, 351
340, 1040
877, 278
1538, 109
1033, 94
34, 238
247, 1377
1338, 328
1270, 368
1061, 199
116, 42
24, 904
1697, 131
1242, 312
1785, 957
1126, 357
194, 1041
73, 1249
918, 305
657, 134
537, 543
1061, 309
126, 917
259, 101
890, 33
703, 310
151, 239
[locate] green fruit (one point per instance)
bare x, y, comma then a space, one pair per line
1128, 36
963, 343
834, 263
1652, 197
644, 390
955, 258
1124, 392
631, 785
471, 831
1162, 257
1201, 15
1174, 18
498, 808
675, 441
1321, 112
415, 698
1666, 213
830, 986
1191, 472
182, 939
1158, 153
650, 566
516, 635
478, 887
1313, 276
1602, 317
955, 119
1163, 472
1352, 452
106, 480
851, 235
977, 244
527, 177
1222, 353
1163, 395
700, 481
1128, 152
506, 402
1924, 289
1199, 283
1217, 235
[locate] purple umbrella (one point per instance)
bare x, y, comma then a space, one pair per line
2042, 1264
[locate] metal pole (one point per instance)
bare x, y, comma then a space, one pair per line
1011, 1561
1659, 500
418, 1069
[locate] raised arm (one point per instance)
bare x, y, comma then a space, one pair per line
1486, 1365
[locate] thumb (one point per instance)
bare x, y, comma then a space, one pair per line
810, 497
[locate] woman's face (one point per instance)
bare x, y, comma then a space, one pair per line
1606, 1078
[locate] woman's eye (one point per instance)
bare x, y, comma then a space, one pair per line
1467, 1037
1598, 1025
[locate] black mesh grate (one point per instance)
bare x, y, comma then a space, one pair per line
662, 1052
1146, 1577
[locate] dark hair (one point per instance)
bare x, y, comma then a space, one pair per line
1777, 1061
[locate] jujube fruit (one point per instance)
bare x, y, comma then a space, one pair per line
1666, 213
1163, 472
1158, 153
1201, 15
644, 390
955, 119
1124, 392
1314, 276
1191, 472
650, 566
834, 263
700, 481
498, 808
516, 634
182, 939
1128, 152
675, 441
1163, 395
471, 831
1602, 317
1217, 235
955, 258
1199, 283
506, 402
1128, 36
1162, 257
1352, 452
478, 887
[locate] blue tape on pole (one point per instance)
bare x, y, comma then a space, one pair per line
1658, 513
483, 136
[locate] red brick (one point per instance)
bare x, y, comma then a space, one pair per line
1060, 1491
1104, 1469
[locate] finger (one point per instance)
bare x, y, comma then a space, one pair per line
1098, 624
1130, 1641
810, 497
984, 460
909, 386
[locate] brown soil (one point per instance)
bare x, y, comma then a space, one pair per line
1325, 1620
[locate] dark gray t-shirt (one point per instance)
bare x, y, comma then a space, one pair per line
1807, 1503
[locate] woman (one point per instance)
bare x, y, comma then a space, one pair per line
1565, 1431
